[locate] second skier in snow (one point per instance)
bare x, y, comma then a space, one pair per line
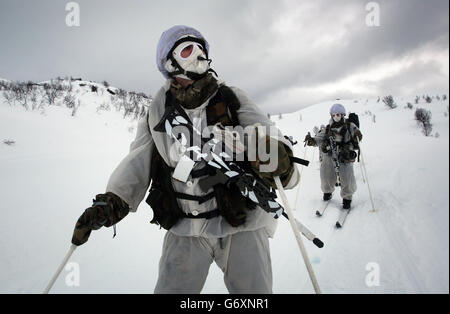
338, 142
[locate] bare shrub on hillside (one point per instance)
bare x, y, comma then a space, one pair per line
416, 101
53, 91
423, 117
69, 100
389, 102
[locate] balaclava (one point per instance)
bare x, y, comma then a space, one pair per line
337, 109
183, 52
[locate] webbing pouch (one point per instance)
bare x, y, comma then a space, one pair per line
165, 213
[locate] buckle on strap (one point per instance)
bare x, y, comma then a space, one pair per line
208, 215
199, 172
199, 199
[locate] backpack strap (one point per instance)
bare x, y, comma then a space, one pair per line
223, 108
232, 101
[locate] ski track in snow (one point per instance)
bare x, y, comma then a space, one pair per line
400, 246
402, 272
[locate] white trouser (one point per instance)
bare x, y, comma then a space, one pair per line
328, 177
244, 258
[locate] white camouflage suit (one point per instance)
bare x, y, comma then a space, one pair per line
191, 245
328, 175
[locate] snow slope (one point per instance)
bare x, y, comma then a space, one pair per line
408, 234
59, 162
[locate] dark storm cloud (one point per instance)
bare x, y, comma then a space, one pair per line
268, 48
405, 27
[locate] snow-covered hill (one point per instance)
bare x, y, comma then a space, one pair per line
74, 93
407, 237
58, 162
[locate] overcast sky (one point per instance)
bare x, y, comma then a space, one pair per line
286, 54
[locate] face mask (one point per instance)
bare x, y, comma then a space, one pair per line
336, 117
191, 57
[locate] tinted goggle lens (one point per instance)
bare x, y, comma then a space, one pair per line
187, 51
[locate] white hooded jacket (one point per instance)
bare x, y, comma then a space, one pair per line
131, 179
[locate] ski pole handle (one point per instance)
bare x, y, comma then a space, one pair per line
58, 271
297, 235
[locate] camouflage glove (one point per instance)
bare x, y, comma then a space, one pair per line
309, 140
357, 135
285, 167
106, 210
325, 147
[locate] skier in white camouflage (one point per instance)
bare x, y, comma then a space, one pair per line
205, 225
339, 170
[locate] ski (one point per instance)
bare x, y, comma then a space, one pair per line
342, 217
320, 212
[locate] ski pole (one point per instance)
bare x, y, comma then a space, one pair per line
58, 271
362, 171
360, 165
367, 177
312, 158
298, 236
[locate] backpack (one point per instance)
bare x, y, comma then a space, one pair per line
353, 117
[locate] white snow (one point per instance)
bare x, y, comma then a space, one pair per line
58, 163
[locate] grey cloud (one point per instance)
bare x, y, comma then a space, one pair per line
417, 79
403, 29
117, 41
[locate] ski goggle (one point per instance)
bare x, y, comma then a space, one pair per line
185, 50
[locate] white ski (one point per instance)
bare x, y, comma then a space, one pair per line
322, 210
342, 218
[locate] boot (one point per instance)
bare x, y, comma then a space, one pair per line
326, 196
346, 204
